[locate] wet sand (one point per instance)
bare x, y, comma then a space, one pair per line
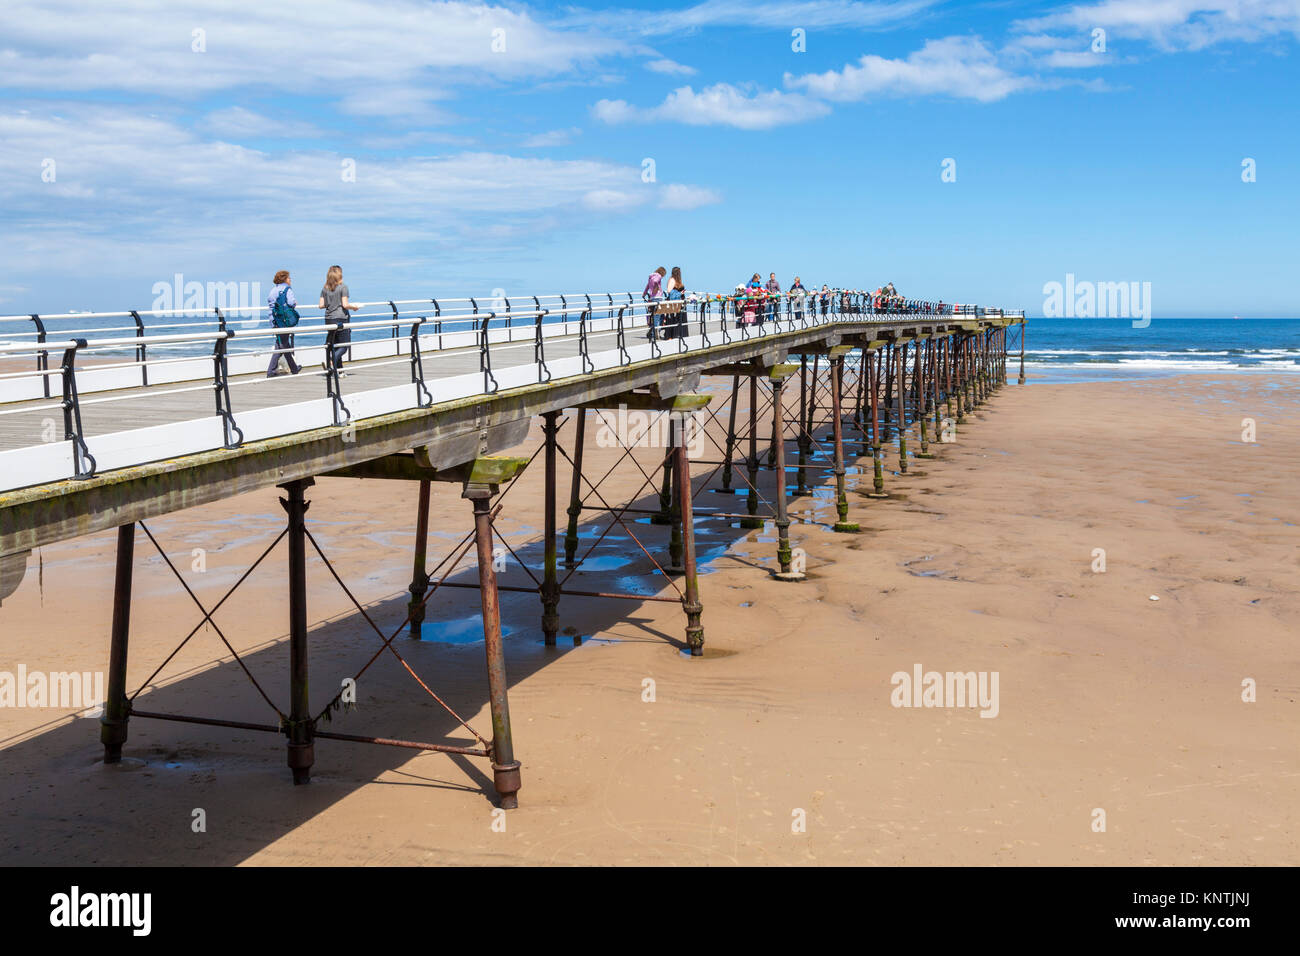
981, 560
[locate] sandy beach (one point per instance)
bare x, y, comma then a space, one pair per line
982, 559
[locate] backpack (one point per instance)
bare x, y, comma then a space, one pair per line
283, 315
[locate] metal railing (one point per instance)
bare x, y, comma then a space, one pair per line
211, 355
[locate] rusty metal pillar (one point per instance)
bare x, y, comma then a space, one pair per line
771, 448
804, 439
301, 728
117, 709
877, 454
948, 379
784, 554
731, 434
860, 406
420, 577
888, 393
841, 493
902, 408
505, 768
665, 515
922, 409
959, 371
812, 397
751, 501
936, 355
550, 591
575, 494
691, 596
676, 437
1021, 380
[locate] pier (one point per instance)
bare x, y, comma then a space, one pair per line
110, 420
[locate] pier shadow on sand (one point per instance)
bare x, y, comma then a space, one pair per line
63, 806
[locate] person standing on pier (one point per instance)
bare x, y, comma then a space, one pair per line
826, 299
675, 315
334, 301
280, 297
797, 296
651, 294
755, 292
774, 304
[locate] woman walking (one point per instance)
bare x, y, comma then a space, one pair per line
280, 303
334, 300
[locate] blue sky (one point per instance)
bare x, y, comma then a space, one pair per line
211, 139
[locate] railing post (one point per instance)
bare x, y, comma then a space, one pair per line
397, 345
623, 357
72, 430
341, 414
141, 349
485, 356
539, 350
422, 397
587, 364
43, 355
221, 390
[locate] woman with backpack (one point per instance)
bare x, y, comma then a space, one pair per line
282, 312
334, 302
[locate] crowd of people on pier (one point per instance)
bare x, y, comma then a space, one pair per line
755, 302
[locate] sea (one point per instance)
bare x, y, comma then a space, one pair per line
1095, 350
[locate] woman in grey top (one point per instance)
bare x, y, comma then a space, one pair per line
334, 300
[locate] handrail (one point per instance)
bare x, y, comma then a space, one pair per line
774, 313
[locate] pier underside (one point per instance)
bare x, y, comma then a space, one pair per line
807, 405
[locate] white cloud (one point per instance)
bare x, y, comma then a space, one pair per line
239, 123
613, 200
774, 14
554, 137
954, 66
1177, 24
671, 67
681, 197
719, 105
1073, 59
294, 46
135, 191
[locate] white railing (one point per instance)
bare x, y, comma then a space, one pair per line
610, 330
